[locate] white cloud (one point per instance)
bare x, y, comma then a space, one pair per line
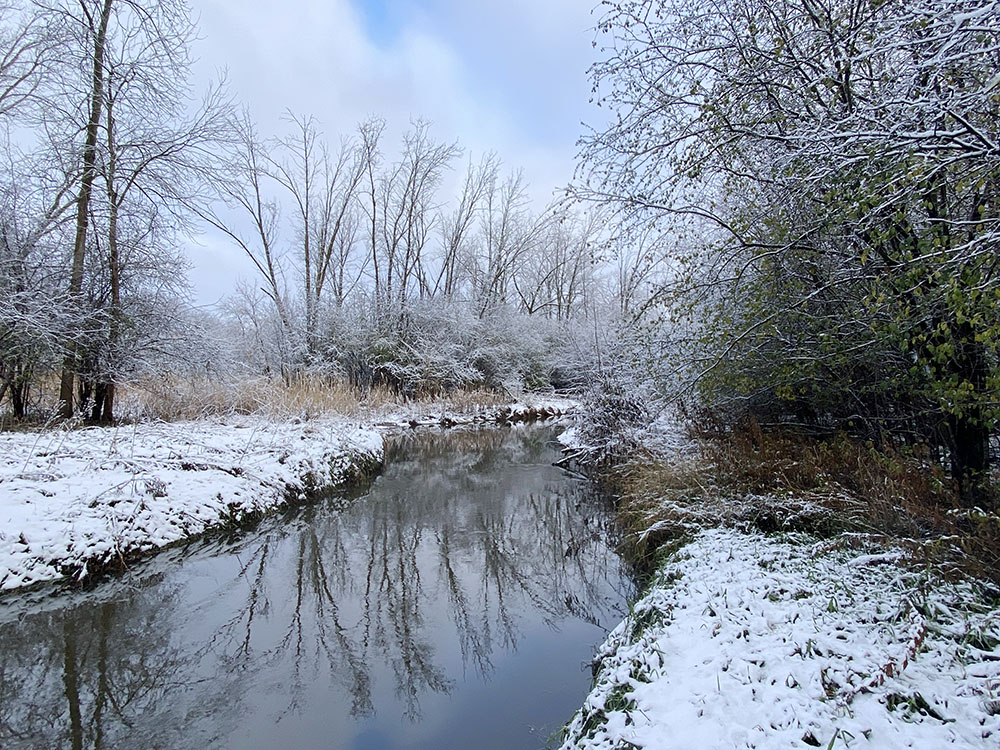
508, 77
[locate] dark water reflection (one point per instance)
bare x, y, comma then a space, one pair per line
452, 605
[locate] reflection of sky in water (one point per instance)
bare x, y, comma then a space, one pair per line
454, 604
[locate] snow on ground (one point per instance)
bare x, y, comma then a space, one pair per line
744, 641
73, 500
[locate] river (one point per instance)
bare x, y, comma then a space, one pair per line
453, 603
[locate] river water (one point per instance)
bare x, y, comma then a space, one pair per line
454, 603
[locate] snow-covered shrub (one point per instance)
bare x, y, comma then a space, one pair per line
438, 347
613, 424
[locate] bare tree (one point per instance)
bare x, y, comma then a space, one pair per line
95, 20
24, 46
246, 190
507, 231
573, 250
458, 226
156, 160
324, 188
408, 211
32, 316
370, 133
130, 106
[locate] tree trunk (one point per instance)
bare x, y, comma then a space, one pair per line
970, 432
104, 401
18, 388
96, 409
83, 200
970, 460
108, 415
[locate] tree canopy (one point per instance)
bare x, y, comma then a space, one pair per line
828, 169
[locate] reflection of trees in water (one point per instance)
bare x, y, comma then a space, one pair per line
393, 621
464, 541
315, 627
315, 576
101, 676
478, 524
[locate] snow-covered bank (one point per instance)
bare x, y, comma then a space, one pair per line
441, 415
73, 500
744, 641
76, 501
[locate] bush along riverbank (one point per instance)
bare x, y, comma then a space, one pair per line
79, 503
789, 605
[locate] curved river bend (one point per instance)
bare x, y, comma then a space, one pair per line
454, 603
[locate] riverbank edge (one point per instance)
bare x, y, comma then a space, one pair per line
909, 657
81, 505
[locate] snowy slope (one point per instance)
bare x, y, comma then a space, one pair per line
748, 642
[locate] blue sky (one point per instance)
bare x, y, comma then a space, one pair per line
382, 20
503, 76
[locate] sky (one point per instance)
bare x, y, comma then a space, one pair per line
509, 77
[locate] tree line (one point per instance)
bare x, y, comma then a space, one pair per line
105, 153
385, 234
411, 264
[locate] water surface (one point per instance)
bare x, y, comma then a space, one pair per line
452, 604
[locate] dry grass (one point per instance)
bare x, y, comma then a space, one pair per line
172, 398
308, 396
898, 491
826, 487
